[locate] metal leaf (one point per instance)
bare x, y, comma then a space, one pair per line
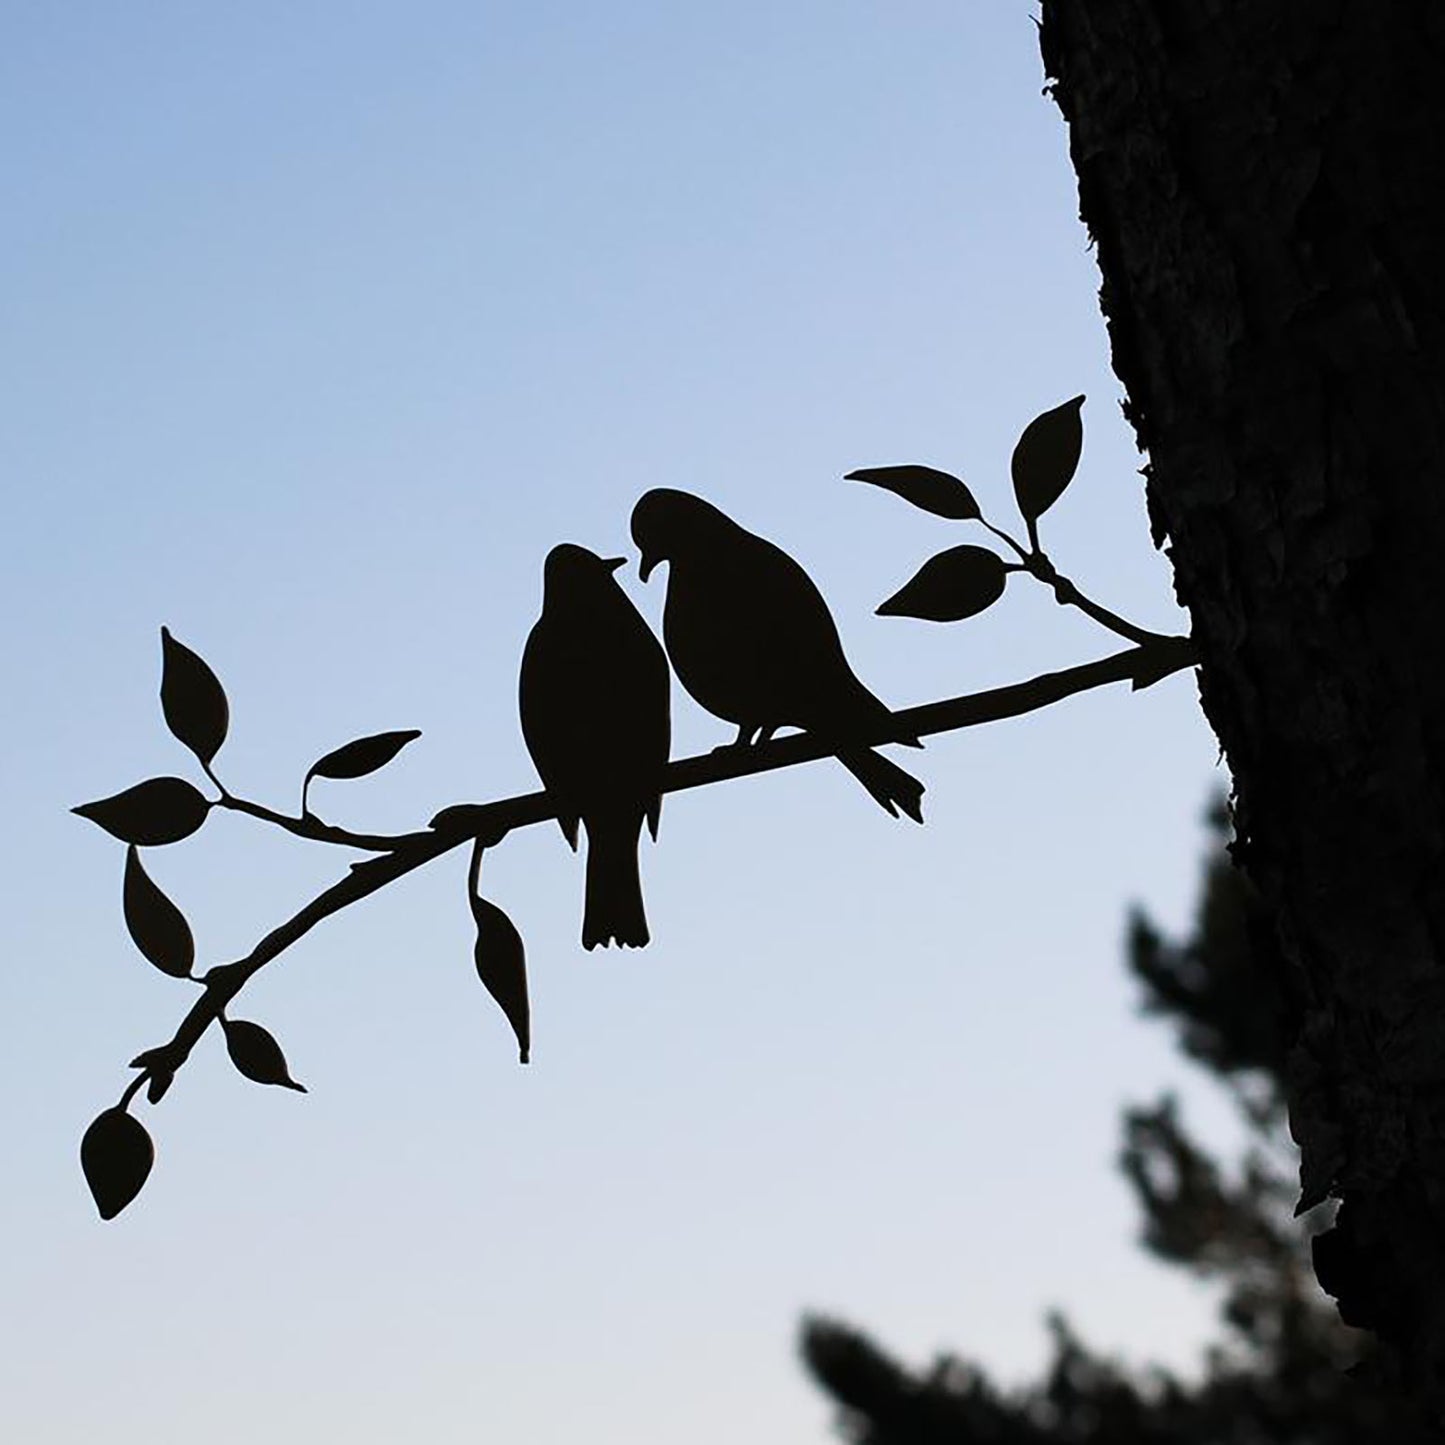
116, 1155
501, 959
1045, 459
257, 1055
192, 699
926, 487
158, 928
955, 584
160, 810
364, 755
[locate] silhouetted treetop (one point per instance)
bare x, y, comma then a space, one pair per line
1278, 1373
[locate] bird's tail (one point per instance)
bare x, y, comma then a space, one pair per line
889, 785
613, 910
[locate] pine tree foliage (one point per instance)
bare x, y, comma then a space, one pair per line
1284, 1371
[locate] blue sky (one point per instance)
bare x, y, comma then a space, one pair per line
321, 324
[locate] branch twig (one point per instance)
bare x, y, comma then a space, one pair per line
1039, 566
309, 826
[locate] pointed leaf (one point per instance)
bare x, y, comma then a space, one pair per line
116, 1155
192, 699
501, 959
955, 584
1046, 457
257, 1055
365, 755
160, 810
926, 487
158, 928
160, 1081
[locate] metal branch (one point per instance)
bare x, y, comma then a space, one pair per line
488, 823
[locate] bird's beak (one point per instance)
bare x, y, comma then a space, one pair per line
613, 563
645, 565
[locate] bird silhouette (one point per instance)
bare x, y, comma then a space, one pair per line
751, 638
594, 700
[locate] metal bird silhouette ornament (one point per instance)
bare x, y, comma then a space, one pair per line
594, 700
752, 641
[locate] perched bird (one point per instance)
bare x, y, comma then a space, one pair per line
752, 640
595, 715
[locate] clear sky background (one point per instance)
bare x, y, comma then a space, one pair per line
321, 324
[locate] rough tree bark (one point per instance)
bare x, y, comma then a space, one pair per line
1259, 179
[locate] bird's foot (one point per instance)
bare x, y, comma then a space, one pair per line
748, 737
744, 739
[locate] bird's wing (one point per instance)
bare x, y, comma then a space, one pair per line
640, 707
652, 709
753, 640
595, 694
547, 702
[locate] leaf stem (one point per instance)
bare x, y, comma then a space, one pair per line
308, 825
1004, 536
1066, 594
474, 880
1038, 566
474, 868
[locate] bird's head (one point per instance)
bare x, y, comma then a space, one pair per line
569, 568
667, 524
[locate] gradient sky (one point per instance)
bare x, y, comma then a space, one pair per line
321, 324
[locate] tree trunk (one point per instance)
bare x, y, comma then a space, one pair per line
1258, 178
